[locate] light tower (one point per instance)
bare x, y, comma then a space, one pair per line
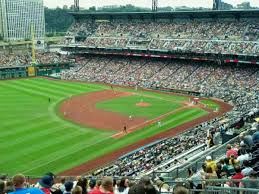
76, 4
154, 5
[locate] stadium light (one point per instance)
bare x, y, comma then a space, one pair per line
154, 5
76, 5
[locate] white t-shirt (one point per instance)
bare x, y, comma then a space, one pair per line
126, 191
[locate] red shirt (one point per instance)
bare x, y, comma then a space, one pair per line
46, 190
237, 176
97, 191
232, 152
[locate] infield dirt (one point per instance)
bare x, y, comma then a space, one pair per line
83, 111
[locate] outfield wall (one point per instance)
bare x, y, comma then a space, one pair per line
14, 72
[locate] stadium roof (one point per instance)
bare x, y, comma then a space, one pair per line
166, 15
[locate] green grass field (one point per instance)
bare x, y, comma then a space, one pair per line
210, 104
34, 139
127, 106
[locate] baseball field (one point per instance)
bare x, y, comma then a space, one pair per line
72, 127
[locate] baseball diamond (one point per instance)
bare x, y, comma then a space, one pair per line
77, 138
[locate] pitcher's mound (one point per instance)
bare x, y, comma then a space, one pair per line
143, 104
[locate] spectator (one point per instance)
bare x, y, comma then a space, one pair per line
77, 190
105, 188
180, 190
247, 140
9, 187
237, 176
142, 187
228, 169
246, 168
45, 184
2, 187
210, 163
162, 186
210, 174
123, 187
82, 182
62, 185
19, 184
255, 136
92, 185
250, 184
231, 152
68, 187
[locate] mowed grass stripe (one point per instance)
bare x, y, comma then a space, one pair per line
16, 132
58, 87
15, 125
32, 135
75, 85
39, 144
54, 149
51, 86
29, 91
46, 90
67, 153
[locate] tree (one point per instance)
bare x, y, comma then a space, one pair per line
92, 9
244, 5
57, 20
65, 7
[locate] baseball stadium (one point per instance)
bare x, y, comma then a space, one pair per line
131, 102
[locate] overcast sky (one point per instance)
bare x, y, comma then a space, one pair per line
143, 3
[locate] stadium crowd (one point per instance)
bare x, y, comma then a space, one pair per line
235, 37
143, 160
234, 84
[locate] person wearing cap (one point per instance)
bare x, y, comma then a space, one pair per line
19, 184
68, 187
45, 183
92, 184
210, 163
105, 188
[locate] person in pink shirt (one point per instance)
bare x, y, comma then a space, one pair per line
231, 152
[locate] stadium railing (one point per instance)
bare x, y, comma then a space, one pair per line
182, 171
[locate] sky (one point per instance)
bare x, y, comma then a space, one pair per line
144, 3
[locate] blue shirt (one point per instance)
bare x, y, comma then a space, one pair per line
27, 191
256, 137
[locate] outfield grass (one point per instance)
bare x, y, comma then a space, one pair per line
34, 139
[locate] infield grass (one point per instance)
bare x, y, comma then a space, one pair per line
35, 140
127, 106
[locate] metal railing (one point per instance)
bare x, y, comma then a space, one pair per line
182, 171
